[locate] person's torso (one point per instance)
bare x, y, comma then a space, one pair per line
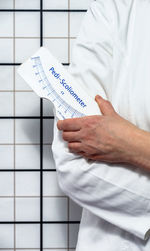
130, 96
131, 83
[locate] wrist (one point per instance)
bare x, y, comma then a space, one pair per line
140, 154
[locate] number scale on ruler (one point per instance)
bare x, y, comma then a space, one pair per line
61, 106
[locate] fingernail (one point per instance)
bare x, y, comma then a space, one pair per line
98, 96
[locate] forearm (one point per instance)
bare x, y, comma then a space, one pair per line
140, 155
106, 191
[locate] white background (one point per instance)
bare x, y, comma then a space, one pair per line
20, 138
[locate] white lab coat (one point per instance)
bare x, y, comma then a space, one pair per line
111, 57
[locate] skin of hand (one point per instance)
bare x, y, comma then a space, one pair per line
107, 137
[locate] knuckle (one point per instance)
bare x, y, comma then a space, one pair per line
83, 136
87, 120
89, 124
64, 136
93, 158
86, 123
58, 125
107, 102
96, 120
85, 155
70, 146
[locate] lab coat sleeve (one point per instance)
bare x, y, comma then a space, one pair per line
92, 66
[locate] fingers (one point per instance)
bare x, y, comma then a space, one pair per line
69, 124
71, 136
75, 147
93, 156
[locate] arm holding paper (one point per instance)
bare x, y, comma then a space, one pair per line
109, 138
108, 190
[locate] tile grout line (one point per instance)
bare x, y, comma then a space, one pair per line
14, 125
25, 144
41, 139
44, 10
16, 90
33, 196
38, 37
26, 117
69, 63
37, 249
14, 115
17, 64
27, 170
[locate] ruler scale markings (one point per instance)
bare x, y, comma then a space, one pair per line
43, 80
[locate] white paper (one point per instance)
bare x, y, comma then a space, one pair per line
50, 80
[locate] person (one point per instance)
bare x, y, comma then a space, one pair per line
103, 161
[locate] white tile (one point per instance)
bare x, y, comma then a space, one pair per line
27, 157
6, 236
60, 249
78, 4
27, 24
27, 184
20, 84
55, 209
7, 249
6, 50
55, 4
7, 209
73, 235
7, 188
28, 131
6, 163
6, 104
6, 78
48, 130
27, 236
6, 29
75, 211
48, 160
66, 66
53, 240
55, 24
50, 184
6, 4
27, 104
72, 44
75, 22
27, 209
47, 108
21, 249
25, 48
23, 4
59, 48
6, 131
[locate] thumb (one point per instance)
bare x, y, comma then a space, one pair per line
105, 106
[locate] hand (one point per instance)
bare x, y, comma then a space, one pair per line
107, 137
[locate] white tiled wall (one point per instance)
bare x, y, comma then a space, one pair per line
20, 137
